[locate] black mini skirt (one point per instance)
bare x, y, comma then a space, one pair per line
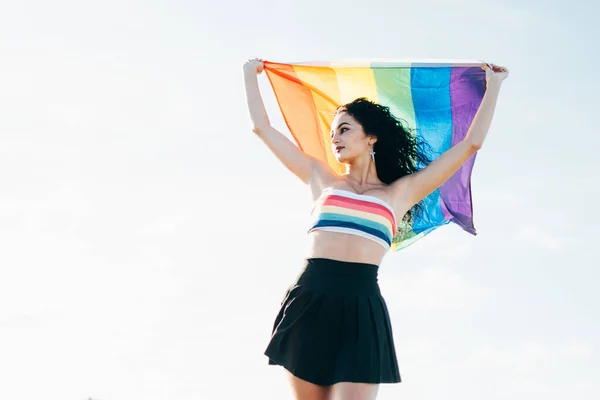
333, 326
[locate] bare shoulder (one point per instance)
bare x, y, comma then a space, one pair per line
322, 177
399, 186
398, 191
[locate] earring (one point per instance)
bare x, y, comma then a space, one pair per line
373, 154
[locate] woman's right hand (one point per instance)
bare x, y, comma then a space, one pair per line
255, 66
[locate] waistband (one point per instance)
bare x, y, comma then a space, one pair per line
329, 265
339, 276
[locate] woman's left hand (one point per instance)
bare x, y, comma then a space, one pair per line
495, 73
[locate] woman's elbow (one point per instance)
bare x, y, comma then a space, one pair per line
474, 145
260, 129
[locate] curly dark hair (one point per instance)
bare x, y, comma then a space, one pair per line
398, 152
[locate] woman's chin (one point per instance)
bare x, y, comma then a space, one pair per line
341, 159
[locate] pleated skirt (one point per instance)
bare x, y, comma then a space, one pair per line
334, 326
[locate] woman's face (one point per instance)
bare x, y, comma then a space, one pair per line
348, 139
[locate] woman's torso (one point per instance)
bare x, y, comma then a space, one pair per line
344, 246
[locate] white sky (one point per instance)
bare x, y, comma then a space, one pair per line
147, 237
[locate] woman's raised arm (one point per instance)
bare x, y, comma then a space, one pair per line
299, 163
413, 188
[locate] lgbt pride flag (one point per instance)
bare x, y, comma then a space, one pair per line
435, 99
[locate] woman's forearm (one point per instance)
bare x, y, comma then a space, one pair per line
480, 126
256, 107
483, 118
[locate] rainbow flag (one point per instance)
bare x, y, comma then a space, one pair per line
437, 100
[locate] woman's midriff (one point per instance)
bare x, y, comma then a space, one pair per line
344, 247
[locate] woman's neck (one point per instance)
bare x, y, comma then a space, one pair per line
362, 176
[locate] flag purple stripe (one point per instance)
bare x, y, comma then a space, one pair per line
467, 86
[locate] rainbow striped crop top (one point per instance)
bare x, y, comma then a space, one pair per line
338, 210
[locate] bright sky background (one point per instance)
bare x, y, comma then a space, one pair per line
147, 236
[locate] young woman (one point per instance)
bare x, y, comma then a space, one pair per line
333, 333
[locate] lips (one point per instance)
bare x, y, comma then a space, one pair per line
338, 148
